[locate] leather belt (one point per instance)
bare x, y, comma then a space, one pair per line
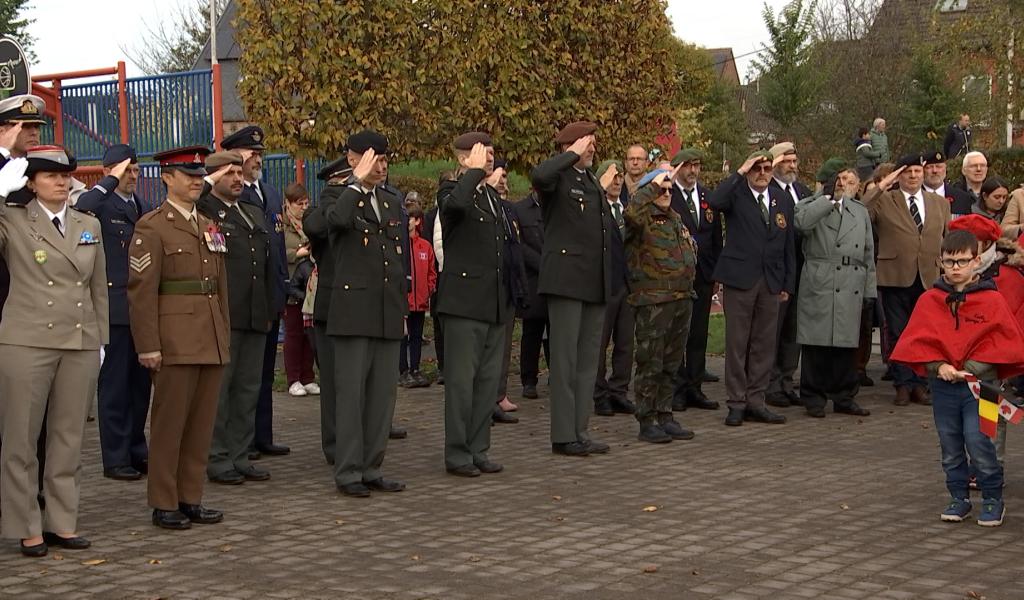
188, 287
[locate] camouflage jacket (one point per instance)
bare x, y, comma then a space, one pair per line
660, 253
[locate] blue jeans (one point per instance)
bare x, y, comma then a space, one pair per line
956, 421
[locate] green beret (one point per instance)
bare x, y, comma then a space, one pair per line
601, 168
830, 169
687, 155
761, 154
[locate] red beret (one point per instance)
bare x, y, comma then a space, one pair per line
983, 228
574, 131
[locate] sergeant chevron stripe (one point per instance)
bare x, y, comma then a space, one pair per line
140, 263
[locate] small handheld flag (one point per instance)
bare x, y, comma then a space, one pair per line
991, 405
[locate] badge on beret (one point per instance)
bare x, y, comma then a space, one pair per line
780, 220
40, 256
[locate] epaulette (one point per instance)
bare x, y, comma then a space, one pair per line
17, 204
84, 212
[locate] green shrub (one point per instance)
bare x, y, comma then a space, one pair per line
1008, 163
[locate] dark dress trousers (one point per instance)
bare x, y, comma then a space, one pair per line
535, 313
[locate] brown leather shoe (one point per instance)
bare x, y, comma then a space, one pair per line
902, 396
919, 395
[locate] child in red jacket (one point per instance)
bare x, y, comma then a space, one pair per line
423, 275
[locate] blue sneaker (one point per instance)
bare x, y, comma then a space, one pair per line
957, 510
992, 513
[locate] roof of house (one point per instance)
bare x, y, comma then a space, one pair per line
724, 63
227, 46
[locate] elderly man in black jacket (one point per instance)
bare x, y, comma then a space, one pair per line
575, 277
758, 269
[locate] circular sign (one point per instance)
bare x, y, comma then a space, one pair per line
14, 77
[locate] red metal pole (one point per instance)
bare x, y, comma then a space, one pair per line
76, 74
300, 171
122, 101
218, 108
58, 119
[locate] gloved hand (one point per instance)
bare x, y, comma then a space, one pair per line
12, 176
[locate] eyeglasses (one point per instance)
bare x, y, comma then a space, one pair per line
761, 169
665, 191
960, 263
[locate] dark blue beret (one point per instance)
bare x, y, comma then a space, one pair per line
117, 153
366, 139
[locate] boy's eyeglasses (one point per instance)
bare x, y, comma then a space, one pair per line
949, 263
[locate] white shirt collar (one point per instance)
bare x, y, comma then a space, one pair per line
941, 190
61, 214
692, 190
906, 195
756, 193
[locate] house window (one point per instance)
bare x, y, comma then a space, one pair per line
948, 6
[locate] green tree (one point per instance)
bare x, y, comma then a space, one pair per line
789, 85
14, 24
930, 103
725, 126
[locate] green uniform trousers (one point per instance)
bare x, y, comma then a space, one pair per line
575, 334
325, 355
235, 426
660, 345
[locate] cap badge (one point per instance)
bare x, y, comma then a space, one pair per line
27, 108
256, 136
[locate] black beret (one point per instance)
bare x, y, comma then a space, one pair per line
574, 131
49, 159
332, 169
911, 160
366, 139
250, 137
934, 158
117, 153
467, 140
500, 163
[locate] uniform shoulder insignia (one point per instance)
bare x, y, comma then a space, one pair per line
16, 204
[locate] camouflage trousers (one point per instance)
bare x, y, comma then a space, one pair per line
660, 330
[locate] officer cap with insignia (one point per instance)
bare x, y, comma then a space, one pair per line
225, 157
831, 169
118, 153
49, 159
24, 108
469, 139
366, 139
337, 168
574, 131
687, 155
248, 138
188, 160
934, 158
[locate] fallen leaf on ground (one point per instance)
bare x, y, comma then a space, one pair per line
58, 556
225, 548
975, 595
291, 419
651, 569
844, 506
415, 557
339, 521
94, 562
474, 559
154, 561
695, 572
556, 498
650, 508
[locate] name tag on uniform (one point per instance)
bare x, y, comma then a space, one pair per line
118, 222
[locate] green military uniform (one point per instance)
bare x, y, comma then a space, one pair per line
247, 238
475, 304
662, 265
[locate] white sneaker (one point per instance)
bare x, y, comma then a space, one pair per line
313, 389
296, 389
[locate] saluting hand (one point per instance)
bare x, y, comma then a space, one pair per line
581, 145
495, 177
888, 181
12, 176
10, 136
365, 167
246, 153
119, 169
219, 174
747, 166
609, 177
477, 158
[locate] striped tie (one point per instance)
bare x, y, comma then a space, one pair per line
914, 212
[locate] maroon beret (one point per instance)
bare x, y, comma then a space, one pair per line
574, 131
467, 140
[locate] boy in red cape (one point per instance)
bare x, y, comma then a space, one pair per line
961, 326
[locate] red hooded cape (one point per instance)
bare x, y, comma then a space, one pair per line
988, 333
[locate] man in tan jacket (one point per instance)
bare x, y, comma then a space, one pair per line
910, 223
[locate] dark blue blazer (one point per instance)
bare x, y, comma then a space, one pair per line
753, 250
118, 225
272, 211
707, 234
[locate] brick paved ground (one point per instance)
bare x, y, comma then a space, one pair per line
842, 508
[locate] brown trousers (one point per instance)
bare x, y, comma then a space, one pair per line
751, 332
180, 430
34, 382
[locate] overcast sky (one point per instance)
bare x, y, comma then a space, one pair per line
75, 35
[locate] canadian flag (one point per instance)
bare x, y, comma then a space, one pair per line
1010, 411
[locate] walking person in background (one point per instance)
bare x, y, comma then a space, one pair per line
867, 155
298, 351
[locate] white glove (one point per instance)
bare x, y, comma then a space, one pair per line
12, 176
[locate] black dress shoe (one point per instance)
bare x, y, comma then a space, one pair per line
440, 379
816, 411
122, 473
142, 466
464, 471
254, 454
35, 550
397, 433
679, 401
501, 416
530, 391
170, 519
763, 415
677, 431
653, 434
71, 543
596, 447
779, 399
254, 473
197, 513
735, 417
384, 485
488, 466
887, 376
570, 449
273, 449
866, 381
603, 408
356, 490
794, 398
710, 377
851, 408
229, 477
623, 406
698, 399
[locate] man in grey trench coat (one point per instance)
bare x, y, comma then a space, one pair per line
838, 276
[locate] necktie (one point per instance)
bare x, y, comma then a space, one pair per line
192, 222
56, 223
242, 215
259, 193
789, 191
617, 213
374, 204
691, 206
764, 209
132, 209
914, 212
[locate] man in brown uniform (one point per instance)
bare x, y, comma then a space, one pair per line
177, 299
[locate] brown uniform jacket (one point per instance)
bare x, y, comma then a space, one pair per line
58, 293
903, 253
192, 329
